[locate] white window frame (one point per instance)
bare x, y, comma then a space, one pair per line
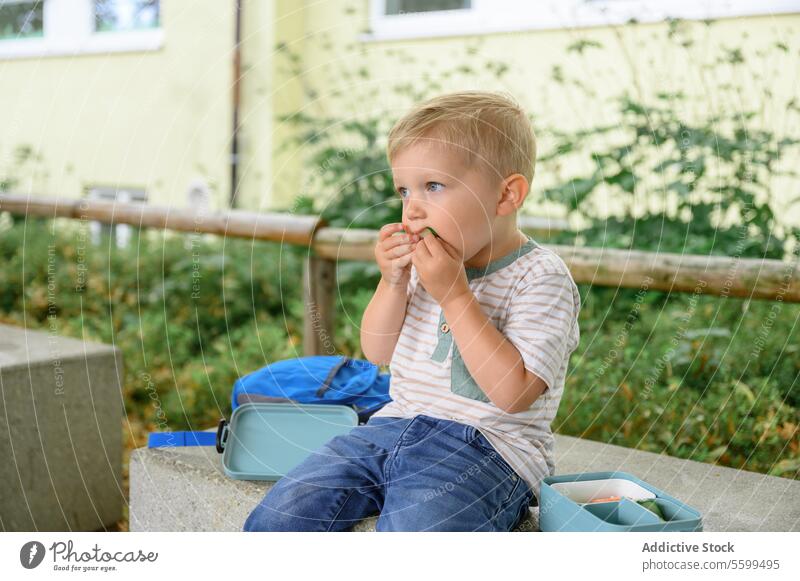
492, 16
121, 233
69, 30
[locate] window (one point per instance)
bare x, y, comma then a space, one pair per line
401, 19
66, 27
405, 6
125, 14
121, 233
21, 19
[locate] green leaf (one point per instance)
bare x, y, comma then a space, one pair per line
742, 389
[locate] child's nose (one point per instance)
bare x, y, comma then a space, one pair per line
414, 209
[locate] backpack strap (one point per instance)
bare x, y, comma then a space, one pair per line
328, 380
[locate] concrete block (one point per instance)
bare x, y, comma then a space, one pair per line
60, 433
185, 489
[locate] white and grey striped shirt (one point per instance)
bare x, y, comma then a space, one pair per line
530, 297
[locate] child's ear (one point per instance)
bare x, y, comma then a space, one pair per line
514, 190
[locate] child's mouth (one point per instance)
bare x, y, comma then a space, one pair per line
424, 232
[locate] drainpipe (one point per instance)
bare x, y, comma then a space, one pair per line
237, 71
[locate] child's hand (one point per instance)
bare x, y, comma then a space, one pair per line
393, 253
441, 269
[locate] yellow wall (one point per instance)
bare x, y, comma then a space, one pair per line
532, 54
267, 92
153, 120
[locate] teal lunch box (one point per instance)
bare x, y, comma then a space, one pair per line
565, 505
263, 441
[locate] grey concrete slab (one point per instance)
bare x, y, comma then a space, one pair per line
61, 414
185, 489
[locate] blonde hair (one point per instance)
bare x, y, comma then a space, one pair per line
490, 128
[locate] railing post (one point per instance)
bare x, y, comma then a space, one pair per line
319, 285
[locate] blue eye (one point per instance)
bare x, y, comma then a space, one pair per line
431, 184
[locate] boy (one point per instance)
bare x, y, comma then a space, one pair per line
477, 322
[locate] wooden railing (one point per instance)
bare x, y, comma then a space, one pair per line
714, 275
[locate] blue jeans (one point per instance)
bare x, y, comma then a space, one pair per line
420, 474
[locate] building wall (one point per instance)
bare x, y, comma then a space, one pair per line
268, 91
156, 120
633, 58
160, 120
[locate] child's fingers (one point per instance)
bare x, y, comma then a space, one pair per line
422, 248
403, 261
388, 229
451, 250
397, 240
400, 250
436, 247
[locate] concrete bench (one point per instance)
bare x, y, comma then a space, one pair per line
185, 489
60, 433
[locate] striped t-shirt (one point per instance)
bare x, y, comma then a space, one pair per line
530, 297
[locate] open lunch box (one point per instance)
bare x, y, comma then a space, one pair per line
263, 440
566, 505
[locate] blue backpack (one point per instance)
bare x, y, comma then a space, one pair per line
320, 379
315, 379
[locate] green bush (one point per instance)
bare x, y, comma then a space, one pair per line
190, 314
680, 374
675, 373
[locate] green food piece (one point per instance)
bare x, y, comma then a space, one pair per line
652, 506
433, 231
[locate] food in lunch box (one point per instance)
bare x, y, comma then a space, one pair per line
653, 507
606, 499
